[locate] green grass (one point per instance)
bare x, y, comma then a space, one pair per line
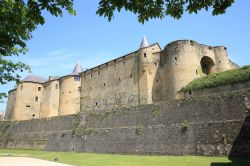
224, 78
91, 159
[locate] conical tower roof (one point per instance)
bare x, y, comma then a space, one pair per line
144, 42
78, 69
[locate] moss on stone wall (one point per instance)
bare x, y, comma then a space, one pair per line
101, 115
5, 136
81, 130
218, 79
4, 125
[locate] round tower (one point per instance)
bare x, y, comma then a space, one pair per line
28, 98
221, 58
180, 65
50, 98
70, 90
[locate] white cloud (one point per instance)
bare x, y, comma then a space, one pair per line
50, 59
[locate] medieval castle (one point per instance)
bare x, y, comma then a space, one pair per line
145, 76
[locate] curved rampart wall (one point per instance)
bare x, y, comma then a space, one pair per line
10, 105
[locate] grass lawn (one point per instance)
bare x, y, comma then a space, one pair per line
91, 159
224, 78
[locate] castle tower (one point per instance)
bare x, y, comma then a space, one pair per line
50, 98
70, 90
148, 65
28, 98
221, 58
185, 60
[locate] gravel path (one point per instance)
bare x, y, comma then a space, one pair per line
25, 161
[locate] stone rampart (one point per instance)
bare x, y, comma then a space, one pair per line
212, 125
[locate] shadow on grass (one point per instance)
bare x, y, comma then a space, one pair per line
240, 151
237, 161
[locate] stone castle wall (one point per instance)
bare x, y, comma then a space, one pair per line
212, 125
216, 90
123, 82
111, 85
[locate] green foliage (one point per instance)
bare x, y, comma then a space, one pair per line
91, 159
101, 115
83, 131
224, 78
18, 19
150, 9
184, 126
138, 130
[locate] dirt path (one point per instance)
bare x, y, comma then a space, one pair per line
25, 161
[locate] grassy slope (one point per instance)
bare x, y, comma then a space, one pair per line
223, 78
91, 159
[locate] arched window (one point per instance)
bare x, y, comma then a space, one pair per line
206, 65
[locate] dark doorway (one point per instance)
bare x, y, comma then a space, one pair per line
206, 65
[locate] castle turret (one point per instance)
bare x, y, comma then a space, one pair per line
28, 98
50, 98
70, 89
222, 60
147, 70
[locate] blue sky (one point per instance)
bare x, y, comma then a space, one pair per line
61, 42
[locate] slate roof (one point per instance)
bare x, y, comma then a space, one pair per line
34, 78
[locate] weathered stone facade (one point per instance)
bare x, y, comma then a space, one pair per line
213, 125
150, 74
36, 97
144, 76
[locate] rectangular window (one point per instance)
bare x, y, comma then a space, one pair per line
27, 106
39, 88
77, 78
36, 99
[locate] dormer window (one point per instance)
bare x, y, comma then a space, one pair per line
77, 78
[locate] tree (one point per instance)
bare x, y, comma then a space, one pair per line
18, 18
149, 9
